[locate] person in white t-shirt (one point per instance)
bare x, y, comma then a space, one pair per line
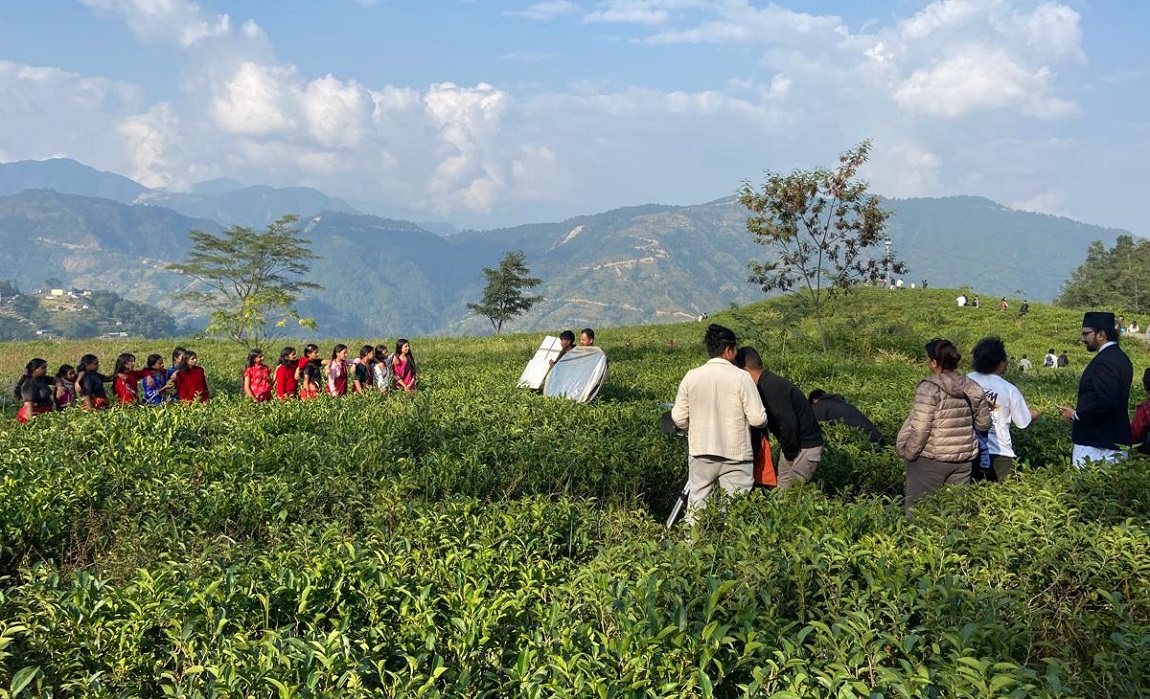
1006, 406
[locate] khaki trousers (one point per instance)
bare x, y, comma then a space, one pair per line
704, 472
801, 469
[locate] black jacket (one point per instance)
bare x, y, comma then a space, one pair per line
1103, 401
789, 415
836, 408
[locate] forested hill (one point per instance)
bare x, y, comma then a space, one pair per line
635, 265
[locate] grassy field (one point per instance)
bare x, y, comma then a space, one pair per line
477, 540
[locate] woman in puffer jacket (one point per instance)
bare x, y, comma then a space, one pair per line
937, 441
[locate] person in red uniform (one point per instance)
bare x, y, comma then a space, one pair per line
287, 374
191, 382
257, 377
127, 381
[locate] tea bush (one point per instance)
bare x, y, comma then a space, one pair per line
476, 540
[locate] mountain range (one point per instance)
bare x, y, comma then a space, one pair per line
383, 277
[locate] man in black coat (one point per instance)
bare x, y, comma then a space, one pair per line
829, 407
789, 418
1099, 423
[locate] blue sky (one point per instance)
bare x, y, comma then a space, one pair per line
488, 113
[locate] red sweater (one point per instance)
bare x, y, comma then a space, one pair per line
192, 385
286, 385
127, 386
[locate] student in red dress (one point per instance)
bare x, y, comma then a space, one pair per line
257, 377
309, 373
191, 382
127, 381
337, 371
287, 374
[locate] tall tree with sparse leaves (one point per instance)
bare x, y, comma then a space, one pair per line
821, 227
253, 279
504, 296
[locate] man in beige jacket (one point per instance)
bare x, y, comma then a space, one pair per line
717, 404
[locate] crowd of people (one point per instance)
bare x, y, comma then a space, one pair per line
295, 376
958, 429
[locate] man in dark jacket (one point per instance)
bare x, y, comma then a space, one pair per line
789, 418
1099, 423
831, 407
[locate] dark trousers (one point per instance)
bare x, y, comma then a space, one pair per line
924, 476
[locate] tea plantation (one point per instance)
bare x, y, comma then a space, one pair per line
476, 540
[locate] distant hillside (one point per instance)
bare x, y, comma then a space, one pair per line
93, 244
642, 264
223, 200
972, 241
254, 207
67, 177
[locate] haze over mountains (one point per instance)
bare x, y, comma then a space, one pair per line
388, 277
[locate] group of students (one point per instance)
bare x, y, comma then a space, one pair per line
302, 377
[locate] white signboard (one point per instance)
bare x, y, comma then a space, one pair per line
536, 369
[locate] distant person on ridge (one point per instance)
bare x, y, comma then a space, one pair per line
791, 420
1051, 359
1063, 360
1099, 423
1006, 406
961, 300
975, 302
717, 404
1025, 364
832, 407
1003, 305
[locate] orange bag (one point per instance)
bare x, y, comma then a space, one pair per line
764, 468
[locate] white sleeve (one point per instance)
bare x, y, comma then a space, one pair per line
1019, 410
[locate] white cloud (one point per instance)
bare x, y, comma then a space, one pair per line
151, 140
254, 101
740, 22
979, 78
904, 170
335, 111
638, 11
1051, 202
543, 11
166, 20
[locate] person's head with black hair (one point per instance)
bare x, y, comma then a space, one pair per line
989, 356
587, 337
942, 355
255, 354
1146, 380
816, 395
720, 340
567, 339
287, 357
178, 354
748, 358
33, 369
155, 362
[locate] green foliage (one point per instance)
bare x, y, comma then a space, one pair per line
251, 276
475, 540
819, 225
1111, 278
503, 297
